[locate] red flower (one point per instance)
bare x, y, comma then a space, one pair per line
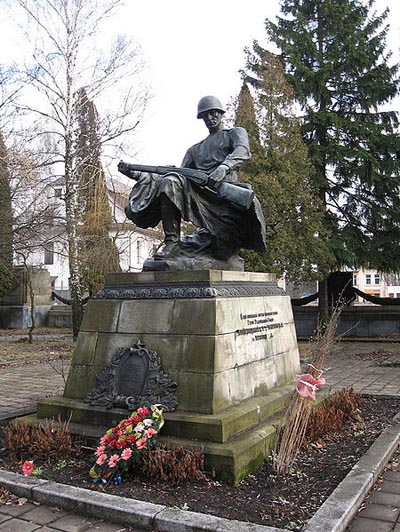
307, 385
27, 467
143, 411
135, 420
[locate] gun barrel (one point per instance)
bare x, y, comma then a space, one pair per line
239, 196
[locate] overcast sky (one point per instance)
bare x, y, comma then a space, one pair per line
192, 49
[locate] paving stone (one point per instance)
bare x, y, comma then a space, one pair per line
17, 525
379, 512
4, 517
101, 526
383, 497
369, 525
393, 476
72, 523
17, 509
43, 515
391, 487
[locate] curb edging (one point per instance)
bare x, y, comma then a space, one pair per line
122, 510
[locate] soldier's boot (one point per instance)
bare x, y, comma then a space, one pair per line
171, 221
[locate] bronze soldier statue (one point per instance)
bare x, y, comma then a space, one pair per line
204, 191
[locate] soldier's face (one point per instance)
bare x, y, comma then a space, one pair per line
212, 119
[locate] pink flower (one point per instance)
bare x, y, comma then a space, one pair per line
141, 443
150, 432
100, 450
307, 385
126, 454
147, 422
27, 467
101, 459
112, 462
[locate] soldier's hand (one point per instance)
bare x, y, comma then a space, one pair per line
123, 168
217, 176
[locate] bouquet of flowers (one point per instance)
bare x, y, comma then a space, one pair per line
121, 444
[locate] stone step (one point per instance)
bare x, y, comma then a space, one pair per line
217, 428
233, 460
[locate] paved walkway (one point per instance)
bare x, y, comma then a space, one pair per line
31, 517
364, 376
380, 511
22, 386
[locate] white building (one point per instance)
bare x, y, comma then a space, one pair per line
134, 244
377, 284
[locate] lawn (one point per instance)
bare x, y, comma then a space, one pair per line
47, 344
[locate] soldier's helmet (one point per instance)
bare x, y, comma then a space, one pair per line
207, 103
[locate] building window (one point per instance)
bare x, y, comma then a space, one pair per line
49, 253
368, 278
138, 250
377, 278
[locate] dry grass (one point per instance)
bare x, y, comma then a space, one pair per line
14, 348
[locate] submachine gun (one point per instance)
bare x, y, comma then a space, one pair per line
236, 193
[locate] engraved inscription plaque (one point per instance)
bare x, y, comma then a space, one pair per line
131, 374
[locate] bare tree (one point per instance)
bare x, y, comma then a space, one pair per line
65, 40
27, 210
6, 222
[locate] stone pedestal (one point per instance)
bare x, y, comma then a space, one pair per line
226, 338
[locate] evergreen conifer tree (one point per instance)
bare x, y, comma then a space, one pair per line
280, 174
98, 253
334, 52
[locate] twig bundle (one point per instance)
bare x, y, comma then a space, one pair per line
292, 430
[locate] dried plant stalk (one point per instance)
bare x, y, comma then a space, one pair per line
292, 430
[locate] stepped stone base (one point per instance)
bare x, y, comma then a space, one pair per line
234, 442
226, 338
